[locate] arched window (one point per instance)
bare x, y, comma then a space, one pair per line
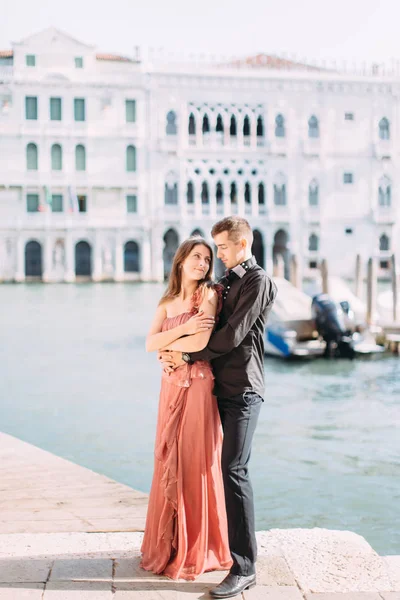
313, 243
220, 193
313, 193
233, 127
204, 193
233, 193
32, 157
384, 129
197, 233
260, 126
280, 126
171, 189
247, 193
261, 194
131, 257
131, 158
220, 124
384, 243
206, 124
190, 193
80, 158
33, 259
280, 190
83, 259
385, 192
313, 127
171, 128
56, 157
246, 126
192, 124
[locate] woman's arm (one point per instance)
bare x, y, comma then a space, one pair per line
157, 339
198, 341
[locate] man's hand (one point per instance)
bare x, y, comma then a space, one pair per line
170, 360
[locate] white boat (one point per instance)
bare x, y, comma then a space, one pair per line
291, 330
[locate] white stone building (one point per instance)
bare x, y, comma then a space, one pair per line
107, 163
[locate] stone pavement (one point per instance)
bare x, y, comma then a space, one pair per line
293, 564
67, 533
41, 492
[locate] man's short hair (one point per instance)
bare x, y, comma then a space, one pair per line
237, 228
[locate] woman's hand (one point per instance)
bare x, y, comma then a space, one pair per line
199, 322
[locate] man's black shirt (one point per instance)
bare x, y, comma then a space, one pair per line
236, 349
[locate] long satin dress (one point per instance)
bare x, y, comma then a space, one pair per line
186, 529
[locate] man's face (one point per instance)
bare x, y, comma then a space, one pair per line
231, 253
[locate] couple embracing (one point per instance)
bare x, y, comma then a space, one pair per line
210, 341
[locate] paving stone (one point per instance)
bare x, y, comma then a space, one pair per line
89, 569
128, 570
273, 570
261, 592
57, 526
331, 561
345, 596
393, 563
72, 590
35, 478
24, 570
161, 590
21, 591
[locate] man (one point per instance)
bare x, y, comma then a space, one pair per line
236, 350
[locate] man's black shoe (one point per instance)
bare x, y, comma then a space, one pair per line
233, 585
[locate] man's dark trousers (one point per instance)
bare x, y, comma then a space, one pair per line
239, 416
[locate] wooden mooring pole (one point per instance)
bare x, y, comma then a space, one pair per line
294, 271
279, 266
394, 287
358, 278
371, 291
324, 276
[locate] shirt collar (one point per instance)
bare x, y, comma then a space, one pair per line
241, 270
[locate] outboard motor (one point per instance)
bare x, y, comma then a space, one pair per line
330, 324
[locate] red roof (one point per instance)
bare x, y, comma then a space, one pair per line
113, 57
271, 62
6, 53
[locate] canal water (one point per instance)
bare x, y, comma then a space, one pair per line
75, 380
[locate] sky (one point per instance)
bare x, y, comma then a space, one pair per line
343, 30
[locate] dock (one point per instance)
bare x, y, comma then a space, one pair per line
67, 533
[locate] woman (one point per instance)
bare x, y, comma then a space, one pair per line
186, 529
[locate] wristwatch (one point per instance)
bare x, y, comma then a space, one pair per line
186, 358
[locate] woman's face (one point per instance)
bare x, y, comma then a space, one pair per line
197, 264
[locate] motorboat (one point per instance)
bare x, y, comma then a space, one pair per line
299, 327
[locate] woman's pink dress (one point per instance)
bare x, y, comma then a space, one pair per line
186, 528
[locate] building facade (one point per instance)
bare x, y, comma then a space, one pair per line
108, 163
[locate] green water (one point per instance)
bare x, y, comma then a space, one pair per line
75, 380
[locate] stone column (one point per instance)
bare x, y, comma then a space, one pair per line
47, 259
253, 133
20, 272
227, 198
146, 257
119, 260
96, 258
197, 199
239, 136
69, 260
240, 198
157, 246
213, 200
